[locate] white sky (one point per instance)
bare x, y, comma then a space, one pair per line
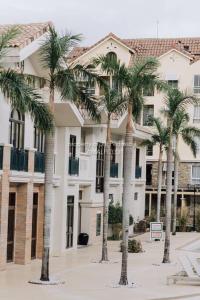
96, 18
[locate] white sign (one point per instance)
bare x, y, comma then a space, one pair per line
156, 231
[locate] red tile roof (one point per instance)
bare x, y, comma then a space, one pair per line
27, 33
151, 46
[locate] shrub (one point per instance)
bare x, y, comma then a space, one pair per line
114, 213
141, 226
183, 220
134, 246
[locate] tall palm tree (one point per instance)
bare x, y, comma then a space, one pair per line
18, 92
160, 138
181, 129
114, 103
134, 80
66, 79
139, 77
174, 102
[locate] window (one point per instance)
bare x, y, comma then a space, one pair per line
149, 151
196, 115
197, 141
196, 84
149, 174
80, 195
39, 139
148, 92
112, 56
135, 196
173, 83
112, 153
196, 174
17, 129
148, 113
98, 224
137, 160
72, 146
100, 168
83, 138
111, 198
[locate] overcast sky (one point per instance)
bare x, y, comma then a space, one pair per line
96, 18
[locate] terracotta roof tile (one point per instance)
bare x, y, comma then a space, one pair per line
27, 33
189, 46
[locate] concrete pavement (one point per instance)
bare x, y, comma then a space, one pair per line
87, 280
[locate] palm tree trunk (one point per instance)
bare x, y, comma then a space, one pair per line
176, 165
159, 183
127, 193
106, 193
166, 257
48, 194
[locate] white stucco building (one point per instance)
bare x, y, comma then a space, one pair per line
79, 160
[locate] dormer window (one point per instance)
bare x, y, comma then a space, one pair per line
112, 56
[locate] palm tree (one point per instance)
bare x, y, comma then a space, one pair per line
113, 103
134, 80
160, 138
19, 93
139, 77
181, 129
175, 101
66, 79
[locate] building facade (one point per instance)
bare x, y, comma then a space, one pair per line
78, 162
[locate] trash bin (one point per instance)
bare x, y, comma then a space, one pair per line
83, 238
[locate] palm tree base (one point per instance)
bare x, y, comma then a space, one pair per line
173, 233
165, 261
46, 282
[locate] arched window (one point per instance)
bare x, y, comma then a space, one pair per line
111, 55
17, 129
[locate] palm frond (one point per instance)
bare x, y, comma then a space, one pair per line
24, 98
55, 48
5, 38
190, 141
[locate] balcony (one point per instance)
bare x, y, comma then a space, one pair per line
114, 170
73, 166
19, 160
138, 172
1, 157
39, 162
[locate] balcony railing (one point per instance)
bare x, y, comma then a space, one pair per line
114, 170
39, 162
19, 160
138, 172
73, 166
1, 157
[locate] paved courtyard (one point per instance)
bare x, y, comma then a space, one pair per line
85, 279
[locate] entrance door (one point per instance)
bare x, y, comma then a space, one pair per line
34, 226
70, 222
11, 227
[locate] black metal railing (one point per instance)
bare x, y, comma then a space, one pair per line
114, 170
73, 166
138, 172
1, 157
39, 162
19, 160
